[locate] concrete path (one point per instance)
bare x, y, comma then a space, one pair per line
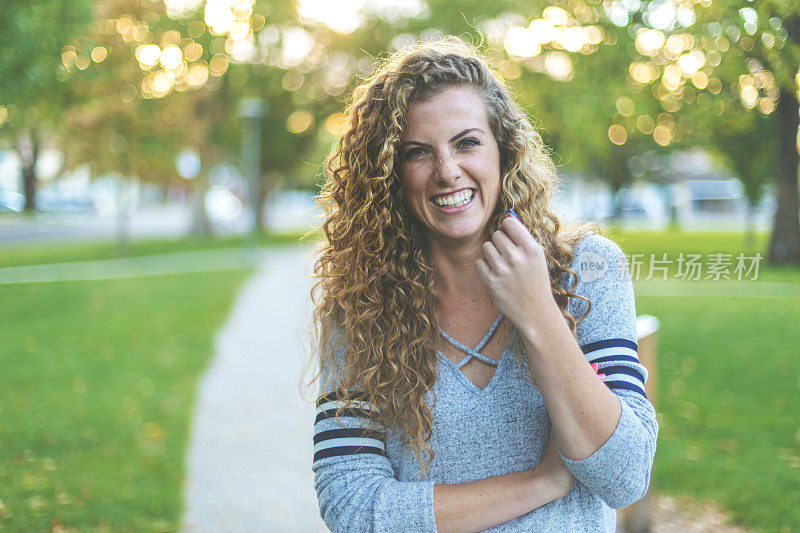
249, 462
131, 267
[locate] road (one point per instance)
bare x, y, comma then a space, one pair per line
170, 221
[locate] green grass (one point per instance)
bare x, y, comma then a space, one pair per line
729, 382
97, 390
19, 255
688, 241
675, 242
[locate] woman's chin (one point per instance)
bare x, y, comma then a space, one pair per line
460, 234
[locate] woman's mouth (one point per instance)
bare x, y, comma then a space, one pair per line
453, 203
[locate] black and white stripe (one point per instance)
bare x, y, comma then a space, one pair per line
609, 354
332, 439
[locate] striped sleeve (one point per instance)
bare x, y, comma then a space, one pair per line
354, 480
332, 438
619, 361
619, 471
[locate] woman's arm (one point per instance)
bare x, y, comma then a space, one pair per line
357, 490
484, 503
607, 434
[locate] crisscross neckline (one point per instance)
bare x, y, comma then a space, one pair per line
474, 352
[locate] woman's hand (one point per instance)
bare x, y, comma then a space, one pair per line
514, 271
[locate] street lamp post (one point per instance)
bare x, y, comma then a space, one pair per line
252, 110
189, 167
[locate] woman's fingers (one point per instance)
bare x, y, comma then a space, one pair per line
515, 230
491, 255
504, 245
596, 368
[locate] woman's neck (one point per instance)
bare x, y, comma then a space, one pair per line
456, 273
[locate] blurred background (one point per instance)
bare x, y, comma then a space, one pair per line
158, 166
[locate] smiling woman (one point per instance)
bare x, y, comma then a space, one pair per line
429, 292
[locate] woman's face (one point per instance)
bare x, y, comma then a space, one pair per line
450, 165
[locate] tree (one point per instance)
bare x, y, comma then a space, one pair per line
32, 36
110, 126
735, 60
746, 142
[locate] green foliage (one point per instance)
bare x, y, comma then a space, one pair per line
765, 31
750, 54
32, 35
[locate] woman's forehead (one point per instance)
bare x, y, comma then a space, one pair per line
457, 108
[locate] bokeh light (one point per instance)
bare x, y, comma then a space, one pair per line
148, 55
336, 123
99, 53
300, 122
617, 134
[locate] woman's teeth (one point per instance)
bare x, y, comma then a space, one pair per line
455, 200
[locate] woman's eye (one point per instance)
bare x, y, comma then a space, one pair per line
469, 142
413, 152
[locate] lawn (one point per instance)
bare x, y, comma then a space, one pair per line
98, 385
653, 243
729, 374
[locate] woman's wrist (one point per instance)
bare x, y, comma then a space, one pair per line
484, 503
547, 485
535, 329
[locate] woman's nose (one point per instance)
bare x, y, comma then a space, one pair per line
447, 168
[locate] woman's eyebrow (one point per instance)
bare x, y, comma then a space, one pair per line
451, 140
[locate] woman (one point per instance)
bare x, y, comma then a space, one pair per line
428, 295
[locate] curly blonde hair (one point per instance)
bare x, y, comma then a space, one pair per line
375, 275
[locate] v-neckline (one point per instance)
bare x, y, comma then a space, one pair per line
498, 363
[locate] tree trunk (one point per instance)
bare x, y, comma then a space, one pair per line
619, 175
749, 226
262, 190
28, 150
784, 246
123, 216
616, 209
201, 224
668, 197
29, 186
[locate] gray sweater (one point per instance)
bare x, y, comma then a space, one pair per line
364, 482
